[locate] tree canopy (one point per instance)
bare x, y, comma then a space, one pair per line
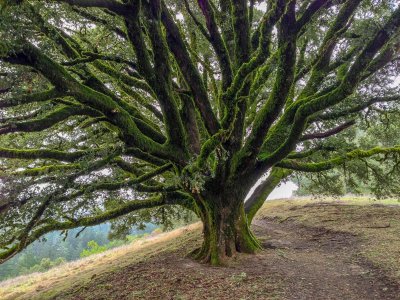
141, 109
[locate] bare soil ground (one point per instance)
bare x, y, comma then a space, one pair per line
312, 250
319, 263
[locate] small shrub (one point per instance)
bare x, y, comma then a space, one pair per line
93, 248
45, 264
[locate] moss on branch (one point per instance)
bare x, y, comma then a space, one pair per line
49, 120
38, 171
336, 161
52, 225
30, 98
41, 154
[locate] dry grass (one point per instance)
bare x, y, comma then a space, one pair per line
44, 285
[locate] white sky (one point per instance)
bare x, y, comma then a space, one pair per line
285, 190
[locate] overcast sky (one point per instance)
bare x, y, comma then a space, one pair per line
285, 190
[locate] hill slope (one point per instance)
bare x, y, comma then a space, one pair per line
313, 250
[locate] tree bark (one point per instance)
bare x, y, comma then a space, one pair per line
226, 232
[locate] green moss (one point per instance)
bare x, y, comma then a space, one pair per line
30, 98
336, 161
45, 170
40, 154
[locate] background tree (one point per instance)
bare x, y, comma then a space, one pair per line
112, 107
377, 125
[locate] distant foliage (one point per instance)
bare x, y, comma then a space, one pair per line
53, 250
46, 264
94, 248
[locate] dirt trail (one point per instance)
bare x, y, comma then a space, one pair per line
322, 264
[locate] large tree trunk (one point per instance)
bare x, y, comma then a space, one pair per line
226, 232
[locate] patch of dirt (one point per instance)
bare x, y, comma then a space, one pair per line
298, 262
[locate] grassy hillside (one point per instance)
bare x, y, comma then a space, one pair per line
313, 249
78, 273
57, 248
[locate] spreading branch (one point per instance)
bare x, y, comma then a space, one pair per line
336, 161
328, 133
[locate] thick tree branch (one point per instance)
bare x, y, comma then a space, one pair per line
246, 67
41, 154
309, 13
52, 225
217, 43
334, 162
281, 90
30, 98
199, 25
321, 63
162, 89
190, 72
304, 109
30, 55
241, 26
49, 120
39, 171
162, 64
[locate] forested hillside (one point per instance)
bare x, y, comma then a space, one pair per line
56, 248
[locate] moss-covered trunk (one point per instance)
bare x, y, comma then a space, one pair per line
226, 232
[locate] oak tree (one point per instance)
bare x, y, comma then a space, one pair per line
140, 109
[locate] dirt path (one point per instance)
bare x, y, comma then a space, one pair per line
297, 263
322, 264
